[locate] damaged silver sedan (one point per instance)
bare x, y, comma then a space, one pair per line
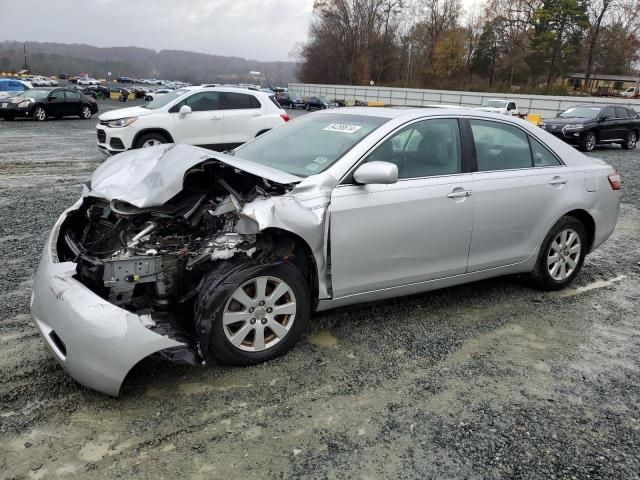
192, 255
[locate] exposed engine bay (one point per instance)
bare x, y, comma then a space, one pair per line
151, 260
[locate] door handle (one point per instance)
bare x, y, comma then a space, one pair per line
558, 181
256, 114
460, 193
216, 118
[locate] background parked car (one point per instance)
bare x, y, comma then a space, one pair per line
97, 91
42, 103
11, 87
320, 103
589, 125
87, 81
290, 100
217, 117
153, 94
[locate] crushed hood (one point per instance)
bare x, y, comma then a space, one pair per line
150, 177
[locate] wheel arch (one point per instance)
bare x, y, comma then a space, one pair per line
146, 131
298, 251
588, 222
264, 130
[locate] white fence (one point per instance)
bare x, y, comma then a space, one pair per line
545, 105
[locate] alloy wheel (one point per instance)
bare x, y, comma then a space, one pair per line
86, 113
632, 140
564, 254
590, 142
259, 314
40, 114
151, 143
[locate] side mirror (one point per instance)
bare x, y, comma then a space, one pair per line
558, 114
184, 110
383, 173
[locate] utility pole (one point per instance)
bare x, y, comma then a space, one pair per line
26, 62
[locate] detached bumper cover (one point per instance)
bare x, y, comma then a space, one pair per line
94, 341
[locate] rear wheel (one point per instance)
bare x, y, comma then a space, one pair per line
86, 112
257, 314
588, 143
561, 255
39, 114
151, 140
631, 141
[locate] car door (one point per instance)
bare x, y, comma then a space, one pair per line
520, 187
72, 104
607, 124
243, 117
204, 125
54, 105
415, 230
623, 123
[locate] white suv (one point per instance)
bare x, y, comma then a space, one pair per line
216, 117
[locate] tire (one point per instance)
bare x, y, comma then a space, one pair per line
631, 140
150, 140
588, 143
566, 242
238, 342
85, 112
39, 114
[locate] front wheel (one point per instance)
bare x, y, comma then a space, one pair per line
631, 141
561, 255
86, 112
588, 142
39, 114
257, 314
150, 140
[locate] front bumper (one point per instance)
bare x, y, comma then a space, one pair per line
570, 136
94, 341
11, 110
112, 141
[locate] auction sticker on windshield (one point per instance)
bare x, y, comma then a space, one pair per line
342, 128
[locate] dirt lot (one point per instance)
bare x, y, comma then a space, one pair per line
488, 380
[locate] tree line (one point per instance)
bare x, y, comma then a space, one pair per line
496, 45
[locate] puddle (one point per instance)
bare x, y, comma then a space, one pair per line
323, 339
592, 286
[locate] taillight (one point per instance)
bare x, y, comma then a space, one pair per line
285, 117
615, 181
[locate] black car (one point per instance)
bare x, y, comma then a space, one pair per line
97, 91
320, 103
589, 125
290, 100
42, 103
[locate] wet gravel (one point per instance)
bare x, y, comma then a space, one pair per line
487, 380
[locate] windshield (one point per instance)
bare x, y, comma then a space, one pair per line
496, 104
163, 100
309, 144
581, 112
36, 94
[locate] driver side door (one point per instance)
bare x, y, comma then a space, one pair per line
55, 104
416, 230
204, 126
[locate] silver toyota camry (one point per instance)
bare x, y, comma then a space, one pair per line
193, 255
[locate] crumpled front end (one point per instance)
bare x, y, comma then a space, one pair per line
96, 342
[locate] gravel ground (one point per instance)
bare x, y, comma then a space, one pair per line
487, 380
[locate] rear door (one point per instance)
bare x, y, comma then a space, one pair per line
623, 122
204, 125
72, 103
608, 125
520, 187
243, 117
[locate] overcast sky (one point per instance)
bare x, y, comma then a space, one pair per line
254, 29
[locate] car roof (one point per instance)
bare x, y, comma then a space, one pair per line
393, 112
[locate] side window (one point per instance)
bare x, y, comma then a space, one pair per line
56, 97
423, 149
621, 112
500, 146
608, 113
542, 157
203, 101
72, 96
238, 101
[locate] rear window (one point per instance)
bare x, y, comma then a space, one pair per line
274, 100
